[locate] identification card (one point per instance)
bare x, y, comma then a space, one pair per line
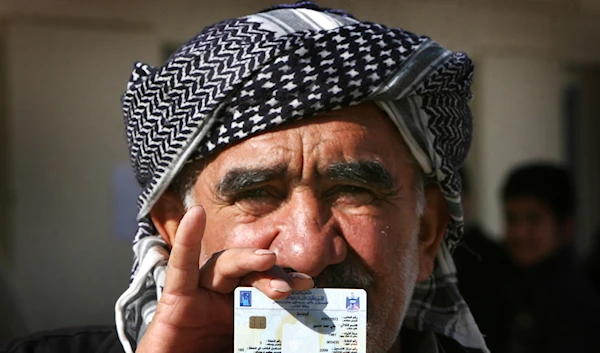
317, 320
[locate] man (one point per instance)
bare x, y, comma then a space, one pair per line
553, 306
294, 148
332, 200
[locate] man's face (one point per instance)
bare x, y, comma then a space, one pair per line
532, 233
334, 197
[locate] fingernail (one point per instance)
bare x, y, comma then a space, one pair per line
194, 206
264, 252
279, 285
299, 275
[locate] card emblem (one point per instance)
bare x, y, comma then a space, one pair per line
352, 303
245, 298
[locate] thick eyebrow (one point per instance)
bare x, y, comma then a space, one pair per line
240, 179
368, 172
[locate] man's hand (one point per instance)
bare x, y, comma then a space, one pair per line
195, 312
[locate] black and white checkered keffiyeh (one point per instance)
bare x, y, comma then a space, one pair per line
247, 75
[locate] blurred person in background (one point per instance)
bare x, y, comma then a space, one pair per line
553, 305
483, 268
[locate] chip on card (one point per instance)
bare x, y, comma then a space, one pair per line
316, 320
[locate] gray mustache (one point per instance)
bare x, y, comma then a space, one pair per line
348, 274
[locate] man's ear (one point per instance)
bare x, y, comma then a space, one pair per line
434, 223
166, 215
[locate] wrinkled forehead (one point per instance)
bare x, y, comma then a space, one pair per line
361, 132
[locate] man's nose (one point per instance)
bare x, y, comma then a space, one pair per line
309, 237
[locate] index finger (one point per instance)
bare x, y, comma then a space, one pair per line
182, 267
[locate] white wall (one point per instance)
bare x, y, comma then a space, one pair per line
67, 63
519, 119
66, 136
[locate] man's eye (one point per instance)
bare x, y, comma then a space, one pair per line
351, 189
254, 194
350, 194
257, 201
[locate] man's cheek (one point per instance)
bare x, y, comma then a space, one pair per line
368, 244
374, 235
